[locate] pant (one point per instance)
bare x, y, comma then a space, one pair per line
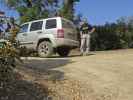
85, 43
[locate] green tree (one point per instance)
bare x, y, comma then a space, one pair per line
113, 35
125, 31
105, 37
33, 9
67, 11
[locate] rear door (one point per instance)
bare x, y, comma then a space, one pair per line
69, 29
51, 27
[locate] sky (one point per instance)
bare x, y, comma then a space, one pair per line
102, 11
98, 12
9, 12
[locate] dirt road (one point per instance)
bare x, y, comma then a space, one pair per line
101, 76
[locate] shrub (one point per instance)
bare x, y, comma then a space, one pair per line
8, 56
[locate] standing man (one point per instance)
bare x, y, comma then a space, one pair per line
85, 32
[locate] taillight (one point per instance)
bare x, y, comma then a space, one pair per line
60, 33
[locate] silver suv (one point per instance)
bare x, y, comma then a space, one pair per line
48, 36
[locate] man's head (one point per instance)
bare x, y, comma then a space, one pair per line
85, 20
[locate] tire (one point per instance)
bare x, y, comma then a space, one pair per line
63, 51
45, 49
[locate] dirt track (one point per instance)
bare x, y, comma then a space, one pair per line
101, 76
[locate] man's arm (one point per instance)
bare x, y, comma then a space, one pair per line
92, 30
80, 34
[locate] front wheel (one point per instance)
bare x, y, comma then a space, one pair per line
45, 49
63, 51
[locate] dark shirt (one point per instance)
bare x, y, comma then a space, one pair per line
85, 28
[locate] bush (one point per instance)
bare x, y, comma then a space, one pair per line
112, 36
8, 56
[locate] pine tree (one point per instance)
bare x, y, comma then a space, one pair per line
67, 11
33, 9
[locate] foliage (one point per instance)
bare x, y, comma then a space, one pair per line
105, 38
33, 9
67, 10
8, 56
113, 35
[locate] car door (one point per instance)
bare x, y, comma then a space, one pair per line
51, 27
21, 37
34, 32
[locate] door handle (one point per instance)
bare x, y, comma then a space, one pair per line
24, 34
39, 32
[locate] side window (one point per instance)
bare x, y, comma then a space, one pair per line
36, 26
24, 28
51, 24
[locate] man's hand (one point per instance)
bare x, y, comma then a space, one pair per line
93, 30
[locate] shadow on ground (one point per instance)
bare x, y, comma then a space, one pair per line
23, 90
79, 55
47, 68
72, 55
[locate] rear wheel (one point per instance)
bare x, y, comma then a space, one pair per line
45, 49
63, 51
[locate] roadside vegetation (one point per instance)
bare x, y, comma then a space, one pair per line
117, 35
35, 9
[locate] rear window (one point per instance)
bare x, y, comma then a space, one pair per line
67, 24
36, 26
51, 24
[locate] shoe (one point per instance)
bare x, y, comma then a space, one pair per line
88, 53
81, 54
84, 54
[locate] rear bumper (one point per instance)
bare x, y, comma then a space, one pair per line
65, 42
